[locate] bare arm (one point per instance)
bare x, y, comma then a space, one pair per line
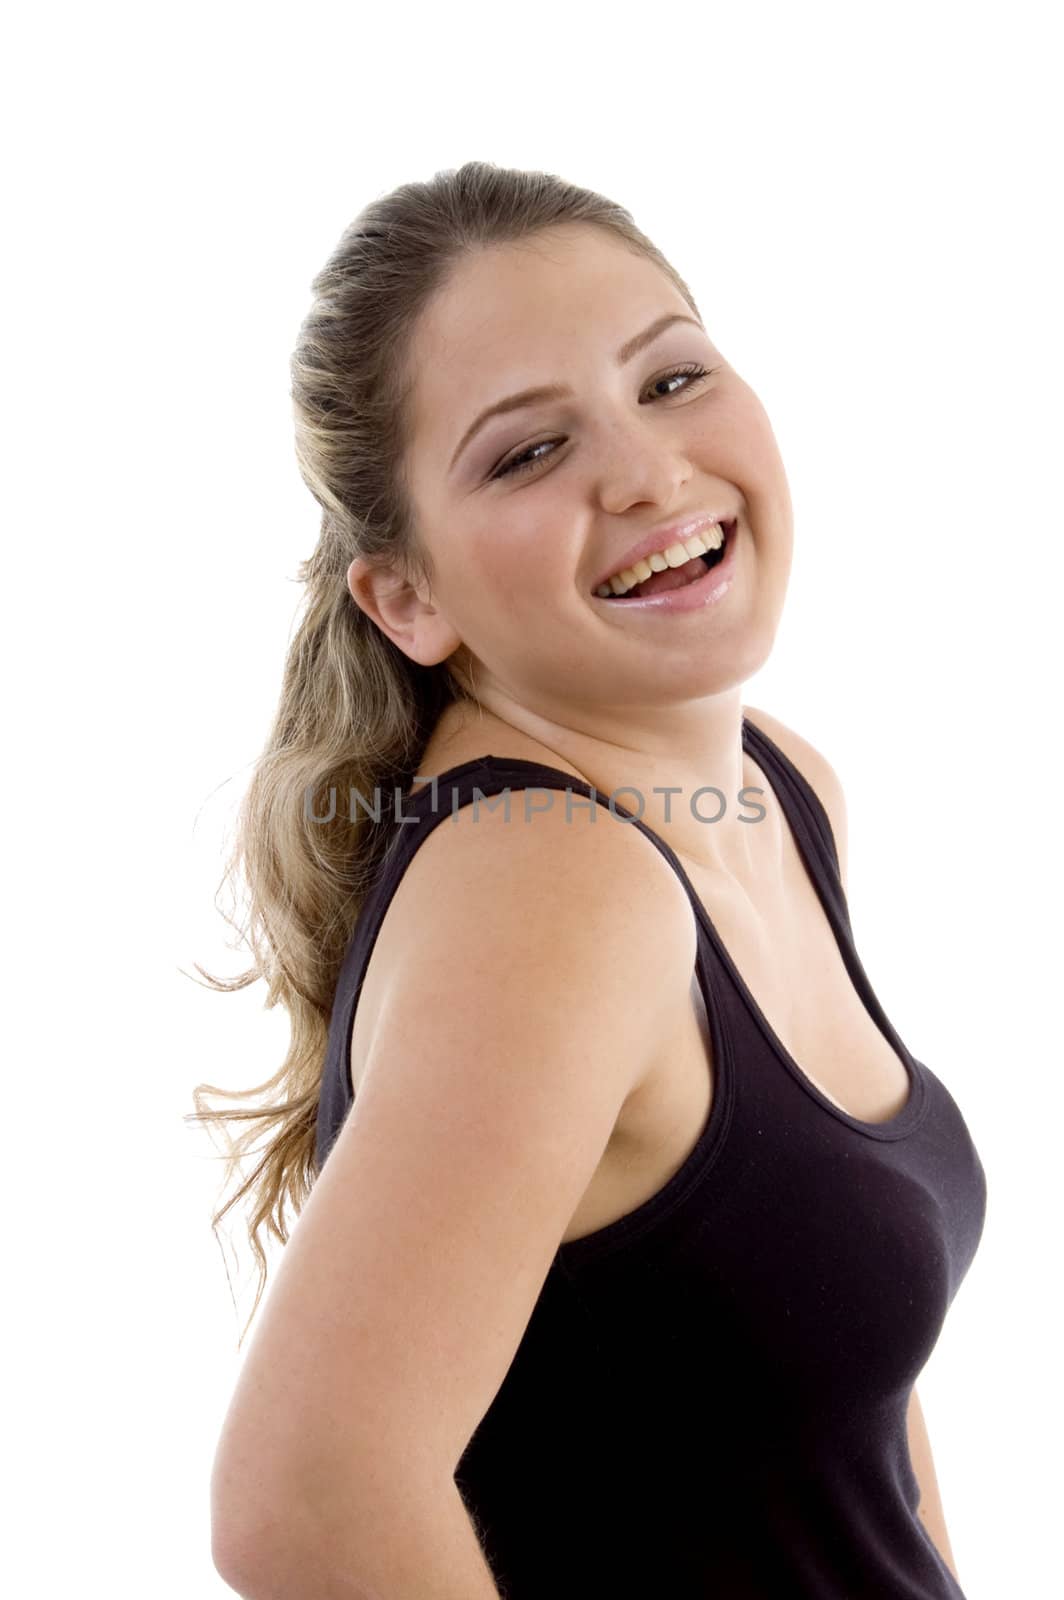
504, 1047
930, 1508
425, 1548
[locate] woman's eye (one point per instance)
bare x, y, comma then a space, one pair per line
526, 461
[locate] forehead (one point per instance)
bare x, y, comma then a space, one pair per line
518, 314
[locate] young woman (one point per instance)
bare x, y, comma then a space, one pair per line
627, 1221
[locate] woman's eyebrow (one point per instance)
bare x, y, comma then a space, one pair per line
558, 391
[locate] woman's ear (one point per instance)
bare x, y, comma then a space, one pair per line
402, 610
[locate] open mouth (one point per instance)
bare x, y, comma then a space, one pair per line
677, 577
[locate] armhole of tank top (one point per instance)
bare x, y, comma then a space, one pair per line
807, 796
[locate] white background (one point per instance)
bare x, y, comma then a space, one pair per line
865, 204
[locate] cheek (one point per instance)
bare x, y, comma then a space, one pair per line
490, 563
515, 552
732, 430
489, 585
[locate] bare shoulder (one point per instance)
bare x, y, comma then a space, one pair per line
526, 844
814, 767
522, 912
525, 873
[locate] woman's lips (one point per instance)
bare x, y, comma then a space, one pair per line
705, 591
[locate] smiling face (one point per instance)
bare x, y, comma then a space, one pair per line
633, 444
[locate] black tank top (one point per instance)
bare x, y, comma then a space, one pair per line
709, 1399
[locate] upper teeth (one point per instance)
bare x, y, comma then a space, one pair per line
675, 555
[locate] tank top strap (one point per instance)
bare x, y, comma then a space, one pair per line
485, 778
477, 782
804, 811
491, 774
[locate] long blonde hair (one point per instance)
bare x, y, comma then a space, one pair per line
354, 711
